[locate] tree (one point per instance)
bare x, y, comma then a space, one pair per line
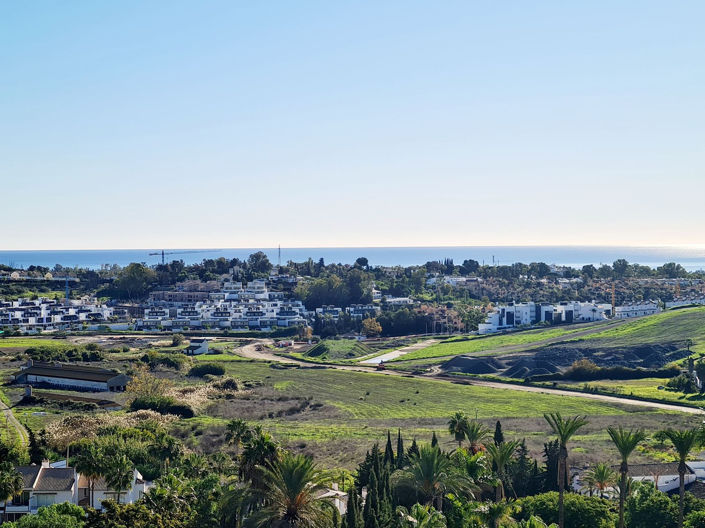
401, 457
177, 340
36, 453
476, 434
420, 517
431, 475
647, 507
683, 442
498, 434
601, 477
291, 491
496, 514
564, 429
625, 441
370, 327
118, 472
362, 262
88, 462
65, 515
501, 455
353, 517
11, 482
134, 282
434, 440
458, 427
237, 432
258, 264
389, 451
580, 511
260, 451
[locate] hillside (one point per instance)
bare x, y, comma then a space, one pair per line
337, 349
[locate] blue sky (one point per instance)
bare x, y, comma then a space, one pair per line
251, 124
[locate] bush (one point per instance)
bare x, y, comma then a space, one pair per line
155, 359
49, 354
162, 405
580, 511
206, 368
682, 383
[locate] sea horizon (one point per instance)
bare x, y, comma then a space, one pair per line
691, 258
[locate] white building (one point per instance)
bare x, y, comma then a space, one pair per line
76, 377
639, 309
686, 301
50, 314
513, 315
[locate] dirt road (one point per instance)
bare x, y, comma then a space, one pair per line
11, 421
250, 351
400, 352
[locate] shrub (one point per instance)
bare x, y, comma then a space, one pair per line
206, 368
49, 354
580, 511
162, 405
155, 359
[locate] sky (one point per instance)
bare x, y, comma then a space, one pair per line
375, 123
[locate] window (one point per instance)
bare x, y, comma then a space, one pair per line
21, 500
45, 499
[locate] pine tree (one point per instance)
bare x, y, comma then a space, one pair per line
388, 451
434, 440
401, 459
498, 434
413, 450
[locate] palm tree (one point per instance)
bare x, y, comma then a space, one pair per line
535, 522
88, 463
683, 441
495, 514
458, 426
625, 441
260, 451
118, 473
11, 483
564, 429
237, 432
431, 475
236, 503
501, 455
601, 477
291, 489
421, 517
476, 434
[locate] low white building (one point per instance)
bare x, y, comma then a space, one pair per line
197, 346
102, 492
513, 315
638, 309
68, 376
686, 301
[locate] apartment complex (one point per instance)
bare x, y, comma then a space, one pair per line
50, 314
513, 315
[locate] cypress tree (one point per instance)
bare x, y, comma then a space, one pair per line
414, 449
434, 440
371, 510
36, 453
498, 434
388, 451
352, 515
400, 451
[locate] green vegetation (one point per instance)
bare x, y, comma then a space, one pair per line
486, 345
204, 369
337, 349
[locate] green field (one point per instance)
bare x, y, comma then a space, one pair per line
27, 342
643, 388
485, 345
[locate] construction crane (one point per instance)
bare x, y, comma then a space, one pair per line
162, 252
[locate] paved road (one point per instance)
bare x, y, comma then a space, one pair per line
12, 421
250, 351
400, 352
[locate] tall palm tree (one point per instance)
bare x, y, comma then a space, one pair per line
118, 472
291, 491
237, 432
431, 474
501, 455
625, 441
11, 483
476, 434
564, 429
458, 426
88, 462
601, 477
683, 442
421, 517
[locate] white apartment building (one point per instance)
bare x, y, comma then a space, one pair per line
686, 301
512, 315
50, 314
639, 309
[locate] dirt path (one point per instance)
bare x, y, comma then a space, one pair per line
399, 352
250, 351
14, 422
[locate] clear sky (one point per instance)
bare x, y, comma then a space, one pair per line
250, 124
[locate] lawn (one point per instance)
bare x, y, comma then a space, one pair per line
643, 388
337, 349
486, 345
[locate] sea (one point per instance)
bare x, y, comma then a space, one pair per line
692, 259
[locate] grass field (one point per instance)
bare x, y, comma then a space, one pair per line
643, 388
482, 345
337, 349
27, 342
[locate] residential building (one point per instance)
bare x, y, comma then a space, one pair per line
638, 309
197, 346
513, 315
